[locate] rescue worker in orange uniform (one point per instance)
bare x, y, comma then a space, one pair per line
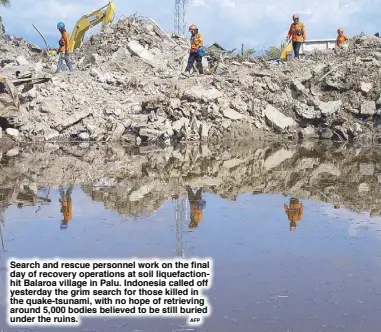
197, 204
66, 206
294, 212
341, 38
196, 42
63, 50
298, 34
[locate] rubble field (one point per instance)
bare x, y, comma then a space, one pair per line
127, 86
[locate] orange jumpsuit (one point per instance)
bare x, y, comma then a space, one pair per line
293, 32
66, 209
294, 213
341, 39
196, 42
65, 43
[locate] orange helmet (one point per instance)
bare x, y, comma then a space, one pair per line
295, 16
340, 30
193, 27
336, 206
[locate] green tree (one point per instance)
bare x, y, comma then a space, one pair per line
247, 53
272, 52
5, 3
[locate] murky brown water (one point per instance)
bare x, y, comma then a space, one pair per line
295, 232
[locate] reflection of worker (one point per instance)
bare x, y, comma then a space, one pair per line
196, 43
63, 50
197, 204
336, 206
66, 205
341, 38
294, 212
298, 34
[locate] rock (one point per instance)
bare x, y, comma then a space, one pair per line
121, 54
330, 107
138, 50
366, 87
356, 129
307, 112
13, 152
368, 107
366, 169
21, 61
51, 105
151, 134
198, 92
299, 87
327, 134
231, 114
278, 119
118, 132
84, 136
1, 133
175, 103
63, 121
177, 125
238, 104
278, 158
309, 132
50, 134
14, 133
38, 67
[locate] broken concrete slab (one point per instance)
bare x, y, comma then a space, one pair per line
232, 114
277, 119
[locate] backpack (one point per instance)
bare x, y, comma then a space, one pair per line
201, 51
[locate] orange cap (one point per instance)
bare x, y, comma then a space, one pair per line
193, 27
295, 16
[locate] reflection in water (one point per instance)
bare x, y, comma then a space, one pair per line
197, 204
66, 205
294, 213
167, 191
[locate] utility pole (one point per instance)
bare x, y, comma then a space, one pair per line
180, 14
180, 219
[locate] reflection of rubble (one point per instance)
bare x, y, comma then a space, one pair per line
127, 86
139, 181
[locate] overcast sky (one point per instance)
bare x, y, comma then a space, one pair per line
256, 23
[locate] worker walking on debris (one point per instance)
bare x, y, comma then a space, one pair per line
298, 34
66, 205
197, 204
341, 38
294, 212
197, 43
63, 50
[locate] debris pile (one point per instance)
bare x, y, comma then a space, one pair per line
127, 86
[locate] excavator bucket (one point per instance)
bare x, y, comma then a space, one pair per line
286, 49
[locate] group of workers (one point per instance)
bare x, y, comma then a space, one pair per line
297, 34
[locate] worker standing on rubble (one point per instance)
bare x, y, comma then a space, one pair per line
294, 212
196, 43
341, 38
298, 33
63, 50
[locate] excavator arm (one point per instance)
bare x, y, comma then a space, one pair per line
104, 15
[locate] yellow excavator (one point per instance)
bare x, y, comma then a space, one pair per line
104, 15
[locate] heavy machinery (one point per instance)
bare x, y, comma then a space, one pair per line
104, 15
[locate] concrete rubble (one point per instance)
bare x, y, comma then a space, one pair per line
127, 86
139, 180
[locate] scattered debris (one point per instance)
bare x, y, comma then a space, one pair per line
127, 85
